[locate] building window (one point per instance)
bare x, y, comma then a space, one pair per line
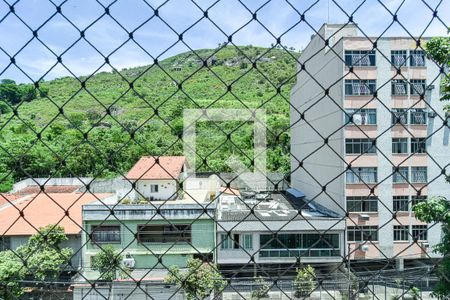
295, 245
399, 88
360, 58
362, 204
419, 174
419, 232
417, 58
362, 233
418, 145
366, 116
400, 203
5, 243
417, 86
236, 241
154, 188
356, 87
105, 234
399, 116
359, 146
164, 233
418, 116
247, 241
399, 145
362, 175
401, 232
400, 175
398, 58
226, 242
417, 199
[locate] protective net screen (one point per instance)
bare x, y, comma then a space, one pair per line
200, 149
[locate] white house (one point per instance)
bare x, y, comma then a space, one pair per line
157, 177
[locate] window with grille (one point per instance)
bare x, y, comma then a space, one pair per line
356, 87
360, 146
398, 58
360, 58
417, 86
399, 87
362, 233
401, 232
399, 116
417, 58
418, 116
105, 234
419, 232
417, 199
366, 116
362, 204
362, 175
399, 145
419, 174
294, 245
400, 175
400, 203
418, 145
163, 233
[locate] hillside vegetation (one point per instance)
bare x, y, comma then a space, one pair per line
103, 128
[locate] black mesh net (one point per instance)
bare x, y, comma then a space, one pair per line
224, 149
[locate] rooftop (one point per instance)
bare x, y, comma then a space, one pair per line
157, 167
28, 213
270, 207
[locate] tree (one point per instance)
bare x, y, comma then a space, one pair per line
305, 281
40, 258
43, 253
11, 273
263, 288
437, 210
199, 281
108, 262
9, 91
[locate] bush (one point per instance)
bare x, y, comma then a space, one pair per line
263, 289
305, 281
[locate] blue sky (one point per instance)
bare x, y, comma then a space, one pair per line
154, 37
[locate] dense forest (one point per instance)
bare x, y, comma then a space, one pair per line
101, 124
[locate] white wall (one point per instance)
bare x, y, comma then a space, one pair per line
323, 114
166, 189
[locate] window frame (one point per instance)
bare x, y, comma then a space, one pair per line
418, 144
370, 116
371, 85
185, 231
117, 233
370, 54
420, 232
399, 144
394, 83
365, 146
400, 202
400, 53
413, 91
417, 52
416, 170
359, 233
397, 177
401, 233
366, 204
362, 171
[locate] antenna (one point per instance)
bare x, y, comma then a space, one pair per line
328, 17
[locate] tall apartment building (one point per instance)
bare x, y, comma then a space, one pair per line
368, 138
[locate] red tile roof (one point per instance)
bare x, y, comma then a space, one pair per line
44, 209
5, 198
169, 167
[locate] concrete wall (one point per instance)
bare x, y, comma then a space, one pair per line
50, 181
167, 189
315, 164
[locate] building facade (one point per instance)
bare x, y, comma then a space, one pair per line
256, 235
368, 137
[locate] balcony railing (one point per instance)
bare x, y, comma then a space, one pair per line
267, 253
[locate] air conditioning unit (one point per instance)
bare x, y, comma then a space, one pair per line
364, 248
128, 261
357, 119
425, 245
363, 217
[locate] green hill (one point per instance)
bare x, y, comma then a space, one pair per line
101, 127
